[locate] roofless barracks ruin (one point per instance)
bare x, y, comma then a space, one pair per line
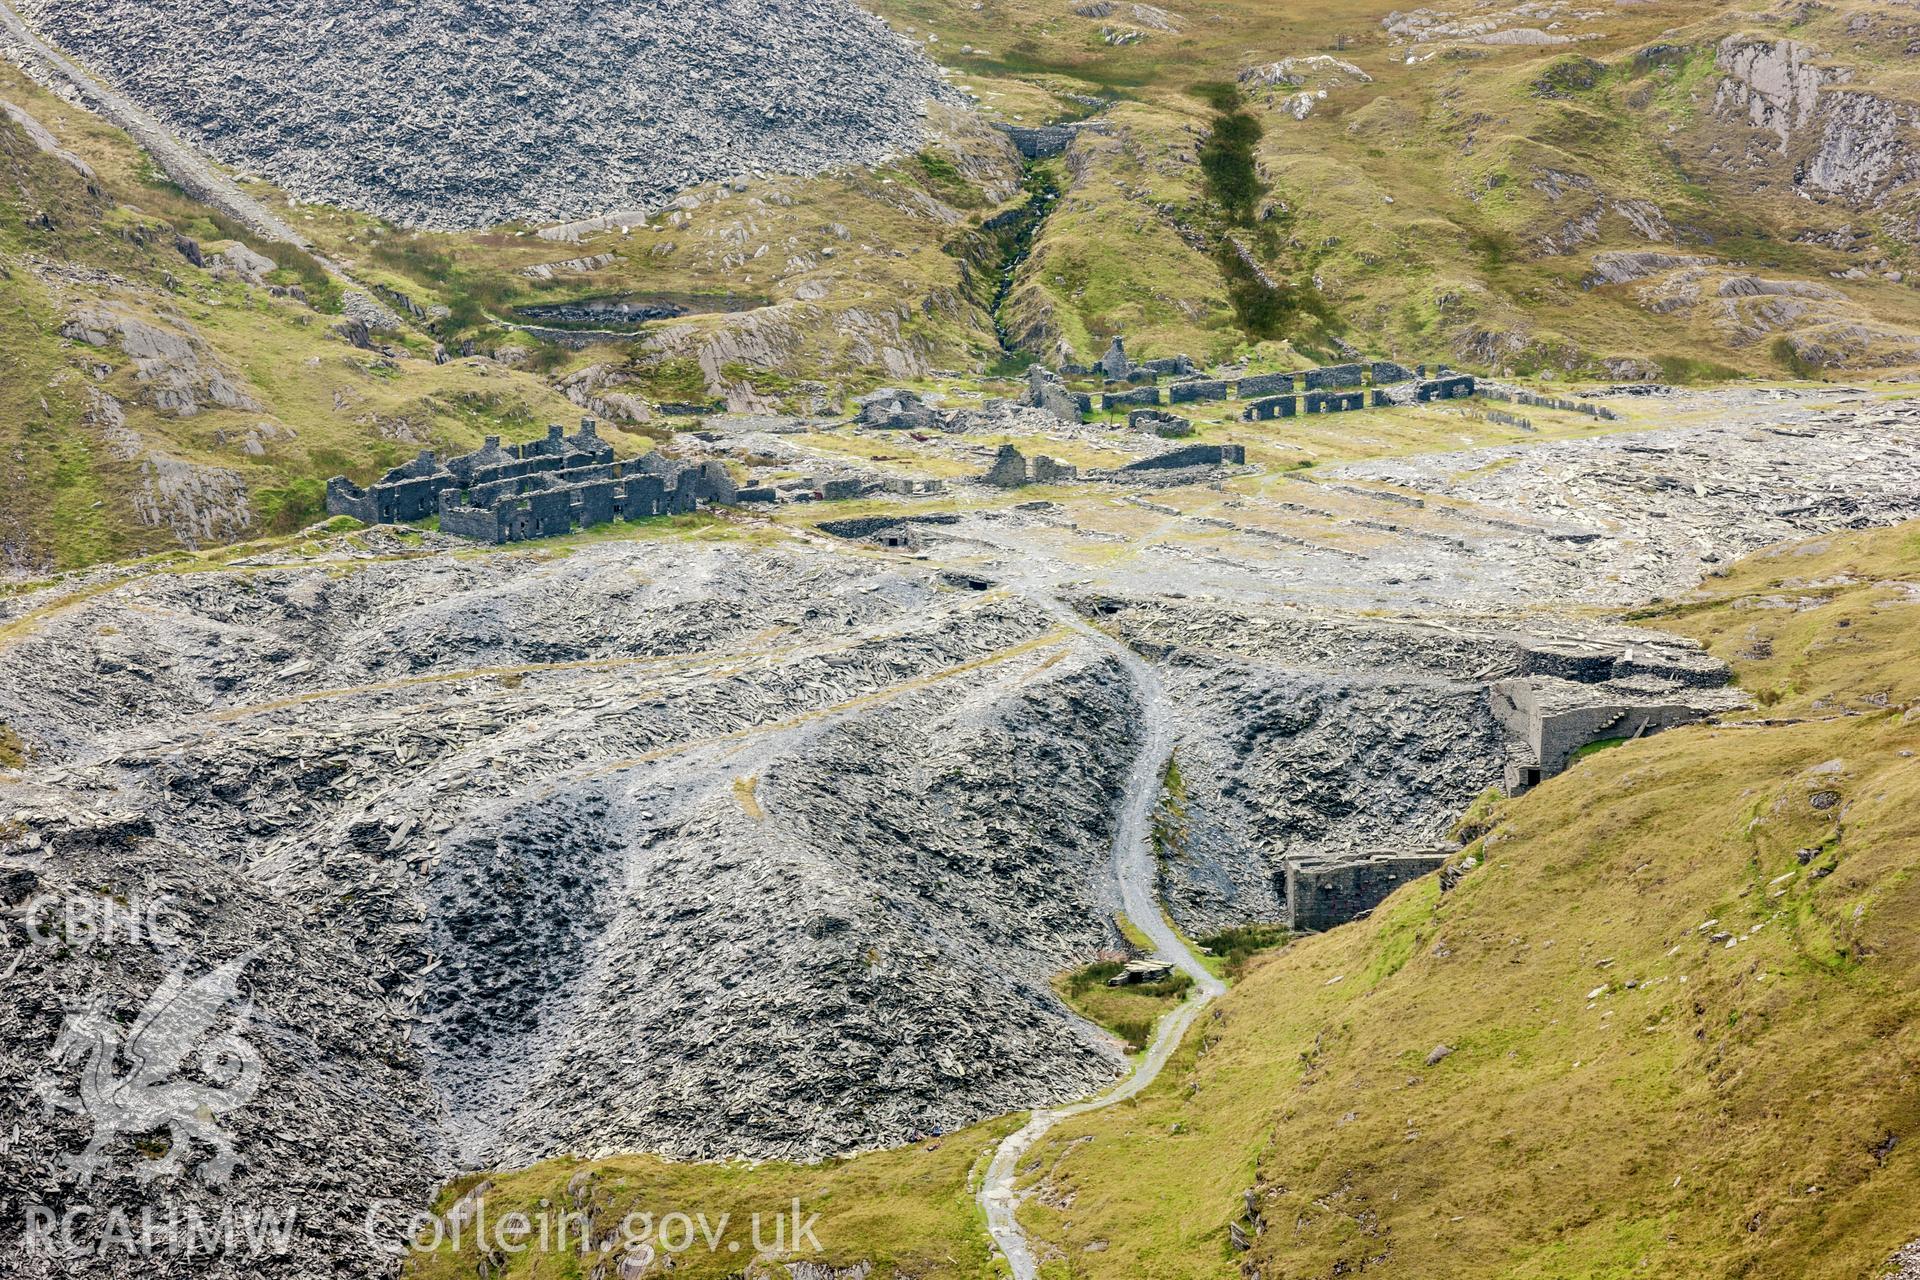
536, 490
545, 488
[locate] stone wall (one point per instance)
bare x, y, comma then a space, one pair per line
1197, 389
1160, 422
1191, 455
390, 501
1335, 375
1043, 141
1320, 895
538, 489
1270, 407
1046, 392
1332, 401
1553, 718
1138, 396
1450, 386
858, 527
551, 503
1266, 384
1551, 402
1012, 469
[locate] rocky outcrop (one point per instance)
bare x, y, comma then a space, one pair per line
1484, 24
1295, 84
1774, 84
1744, 309
597, 388
178, 372
1847, 143
1866, 147
42, 138
985, 155
1625, 266
241, 262
1319, 69
201, 505
453, 114
360, 307
568, 266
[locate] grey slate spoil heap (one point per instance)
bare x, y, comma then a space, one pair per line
460, 113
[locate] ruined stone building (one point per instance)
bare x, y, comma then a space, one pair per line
1342, 388
1323, 892
1447, 386
1012, 469
1160, 422
539, 489
1329, 389
1557, 695
1267, 408
1046, 392
1549, 719
1115, 365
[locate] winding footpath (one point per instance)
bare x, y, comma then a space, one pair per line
1135, 869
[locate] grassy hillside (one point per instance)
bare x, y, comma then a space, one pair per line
1595, 194
1661, 1024
194, 403
907, 1212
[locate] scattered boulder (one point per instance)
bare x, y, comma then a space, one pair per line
239, 260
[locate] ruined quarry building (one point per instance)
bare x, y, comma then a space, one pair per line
1450, 386
1011, 469
540, 489
1046, 392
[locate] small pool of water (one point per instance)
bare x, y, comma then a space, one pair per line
631, 310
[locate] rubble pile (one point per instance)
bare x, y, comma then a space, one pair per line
449, 115
774, 854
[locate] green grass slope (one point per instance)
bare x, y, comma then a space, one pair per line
99, 461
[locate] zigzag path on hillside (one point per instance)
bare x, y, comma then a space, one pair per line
1135, 870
